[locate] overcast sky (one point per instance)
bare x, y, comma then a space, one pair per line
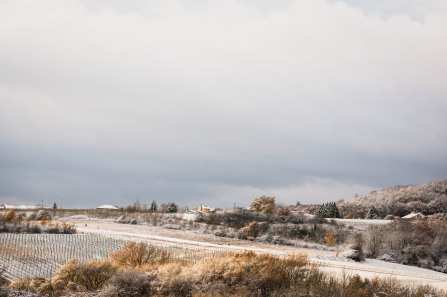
219, 102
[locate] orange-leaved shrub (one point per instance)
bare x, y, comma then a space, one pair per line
283, 211
252, 230
330, 239
256, 273
174, 279
137, 254
85, 276
10, 215
263, 204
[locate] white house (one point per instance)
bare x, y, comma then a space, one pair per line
12, 206
106, 206
414, 215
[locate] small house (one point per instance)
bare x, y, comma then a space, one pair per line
202, 208
414, 216
107, 206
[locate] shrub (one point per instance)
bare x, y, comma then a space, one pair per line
330, 239
236, 219
129, 283
46, 220
137, 254
253, 273
10, 215
19, 218
283, 211
68, 229
316, 233
31, 217
263, 204
85, 276
173, 280
42, 214
22, 284
375, 240
251, 230
357, 245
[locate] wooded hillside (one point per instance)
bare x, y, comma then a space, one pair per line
429, 198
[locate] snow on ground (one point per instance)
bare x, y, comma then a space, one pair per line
328, 260
363, 221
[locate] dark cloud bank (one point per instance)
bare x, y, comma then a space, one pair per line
216, 103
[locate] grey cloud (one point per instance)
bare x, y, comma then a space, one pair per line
386, 8
172, 100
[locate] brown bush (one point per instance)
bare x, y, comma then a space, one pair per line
174, 280
19, 218
10, 215
263, 204
129, 283
251, 230
85, 276
283, 211
45, 220
137, 254
255, 273
22, 285
330, 239
28, 284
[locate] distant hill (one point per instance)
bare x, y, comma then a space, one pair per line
429, 198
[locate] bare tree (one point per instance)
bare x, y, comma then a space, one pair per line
375, 240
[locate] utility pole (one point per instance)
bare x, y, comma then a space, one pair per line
42, 204
61, 203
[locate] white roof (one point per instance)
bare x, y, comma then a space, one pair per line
106, 206
413, 215
12, 206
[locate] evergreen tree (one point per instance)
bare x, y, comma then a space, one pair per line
154, 206
373, 213
172, 207
54, 205
328, 210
